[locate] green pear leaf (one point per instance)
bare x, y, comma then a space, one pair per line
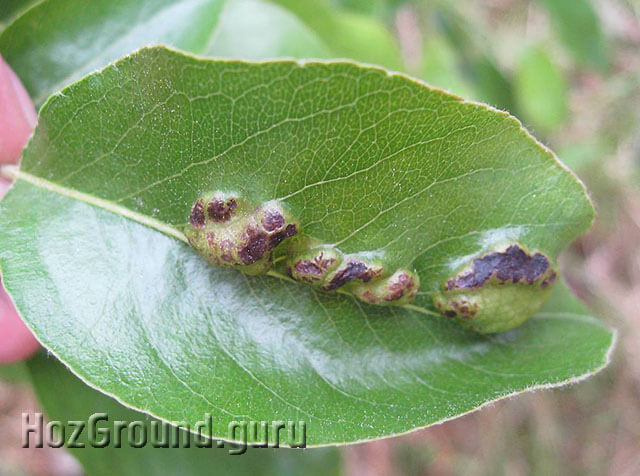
93, 251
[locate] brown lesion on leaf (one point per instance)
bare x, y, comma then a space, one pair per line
458, 308
254, 247
400, 285
399, 288
351, 271
549, 280
278, 237
312, 269
220, 210
272, 220
498, 290
196, 217
369, 297
328, 269
512, 265
211, 240
229, 232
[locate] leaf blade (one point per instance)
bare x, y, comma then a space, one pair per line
203, 335
418, 124
239, 360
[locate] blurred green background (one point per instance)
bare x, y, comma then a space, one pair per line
570, 70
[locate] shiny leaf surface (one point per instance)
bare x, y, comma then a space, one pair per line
371, 162
65, 398
59, 41
10, 9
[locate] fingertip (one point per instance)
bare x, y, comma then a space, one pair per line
16, 340
17, 115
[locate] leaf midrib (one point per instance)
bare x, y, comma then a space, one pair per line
16, 173
13, 172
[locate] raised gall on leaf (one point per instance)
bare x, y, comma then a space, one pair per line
327, 268
497, 291
230, 232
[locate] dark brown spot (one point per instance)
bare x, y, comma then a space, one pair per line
306, 266
450, 313
220, 211
290, 230
549, 280
398, 287
370, 274
463, 307
197, 218
272, 220
369, 297
313, 270
255, 248
323, 262
512, 265
308, 270
352, 270
211, 240
226, 247
277, 238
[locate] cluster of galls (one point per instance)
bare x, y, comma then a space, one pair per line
326, 268
497, 291
229, 232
